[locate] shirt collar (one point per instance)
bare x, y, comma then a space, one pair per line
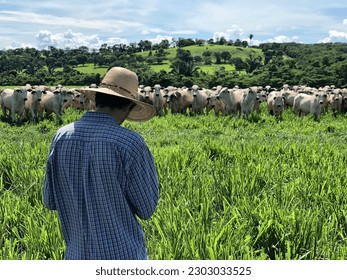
99, 117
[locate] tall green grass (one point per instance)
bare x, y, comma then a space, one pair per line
229, 188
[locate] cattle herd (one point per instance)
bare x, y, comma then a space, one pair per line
39, 102
302, 100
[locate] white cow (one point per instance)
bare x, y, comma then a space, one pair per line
305, 104
289, 96
248, 102
32, 104
335, 100
199, 100
232, 100
146, 95
275, 104
180, 100
53, 101
160, 99
77, 101
344, 101
13, 101
215, 103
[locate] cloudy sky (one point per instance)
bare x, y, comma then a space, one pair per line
70, 24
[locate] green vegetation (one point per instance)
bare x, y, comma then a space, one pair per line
229, 188
201, 62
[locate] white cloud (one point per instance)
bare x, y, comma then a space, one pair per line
118, 21
336, 36
33, 18
158, 30
15, 45
116, 40
233, 33
283, 39
68, 39
160, 38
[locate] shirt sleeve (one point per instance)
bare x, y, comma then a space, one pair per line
143, 187
48, 193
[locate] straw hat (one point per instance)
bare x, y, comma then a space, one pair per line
123, 83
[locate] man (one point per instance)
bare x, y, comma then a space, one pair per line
101, 176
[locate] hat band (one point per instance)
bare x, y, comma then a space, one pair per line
119, 90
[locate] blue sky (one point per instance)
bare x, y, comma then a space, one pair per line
70, 24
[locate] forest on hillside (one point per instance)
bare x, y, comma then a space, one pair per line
272, 64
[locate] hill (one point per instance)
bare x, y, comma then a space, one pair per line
199, 51
203, 64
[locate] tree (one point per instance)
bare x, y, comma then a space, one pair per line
341, 73
200, 42
81, 58
237, 43
250, 39
244, 44
226, 56
217, 55
145, 45
207, 57
164, 44
183, 64
185, 42
222, 41
253, 62
239, 63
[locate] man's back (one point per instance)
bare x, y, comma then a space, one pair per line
99, 176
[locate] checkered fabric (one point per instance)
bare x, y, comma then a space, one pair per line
101, 177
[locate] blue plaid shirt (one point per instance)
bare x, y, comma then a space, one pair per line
99, 177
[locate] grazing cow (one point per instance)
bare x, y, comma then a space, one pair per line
289, 96
13, 100
180, 100
199, 100
248, 102
146, 95
213, 102
77, 101
344, 102
34, 97
309, 104
336, 102
232, 100
261, 97
53, 101
160, 99
275, 104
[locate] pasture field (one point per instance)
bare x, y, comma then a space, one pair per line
195, 50
229, 188
242, 53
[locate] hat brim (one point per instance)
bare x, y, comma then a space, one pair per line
141, 112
